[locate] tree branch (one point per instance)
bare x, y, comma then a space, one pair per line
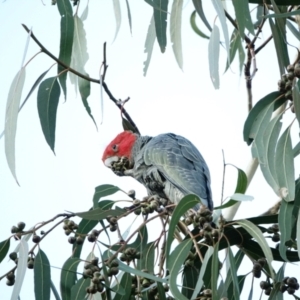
117, 102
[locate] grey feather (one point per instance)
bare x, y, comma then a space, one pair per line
171, 166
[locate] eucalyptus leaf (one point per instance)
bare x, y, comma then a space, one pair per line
4, 247
175, 31
149, 43
286, 222
160, 8
66, 40
213, 56
174, 264
47, 102
68, 277
243, 16
21, 269
100, 214
42, 276
285, 166
199, 8
195, 27
257, 234
11, 119
118, 16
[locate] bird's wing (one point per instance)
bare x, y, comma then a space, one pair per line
179, 162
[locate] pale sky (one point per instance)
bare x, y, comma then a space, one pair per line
166, 100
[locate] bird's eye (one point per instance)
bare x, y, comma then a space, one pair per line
115, 147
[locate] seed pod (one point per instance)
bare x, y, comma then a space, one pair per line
95, 232
290, 68
276, 237
288, 85
36, 239
114, 270
10, 282
79, 240
14, 229
264, 285
91, 238
290, 76
30, 264
297, 70
72, 240
21, 225
268, 291
137, 211
13, 255
290, 290
113, 228
95, 261
113, 220
289, 95
131, 194
10, 276
282, 288
262, 262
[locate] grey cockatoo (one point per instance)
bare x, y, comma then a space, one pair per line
168, 165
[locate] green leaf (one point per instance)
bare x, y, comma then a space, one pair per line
283, 15
280, 46
221, 14
258, 236
241, 186
195, 27
243, 17
215, 272
208, 254
264, 144
285, 166
161, 291
42, 276
286, 222
175, 31
35, 85
233, 271
68, 277
200, 12
100, 214
4, 247
296, 100
149, 43
54, 291
11, 119
234, 45
296, 150
228, 282
125, 283
47, 102
66, 39
298, 233
78, 291
293, 30
241, 197
242, 55
160, 8
79, 59
252, 118
147, 257
268, 163
129, 16
103, 191
118, 17
213, 56
128, 269
174, 264
240, 281
186, 203
21, 269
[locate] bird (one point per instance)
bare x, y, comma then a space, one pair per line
168, 165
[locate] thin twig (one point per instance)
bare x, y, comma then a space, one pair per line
43, 49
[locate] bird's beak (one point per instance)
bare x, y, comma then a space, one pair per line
110, 160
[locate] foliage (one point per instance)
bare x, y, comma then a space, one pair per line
187, 247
